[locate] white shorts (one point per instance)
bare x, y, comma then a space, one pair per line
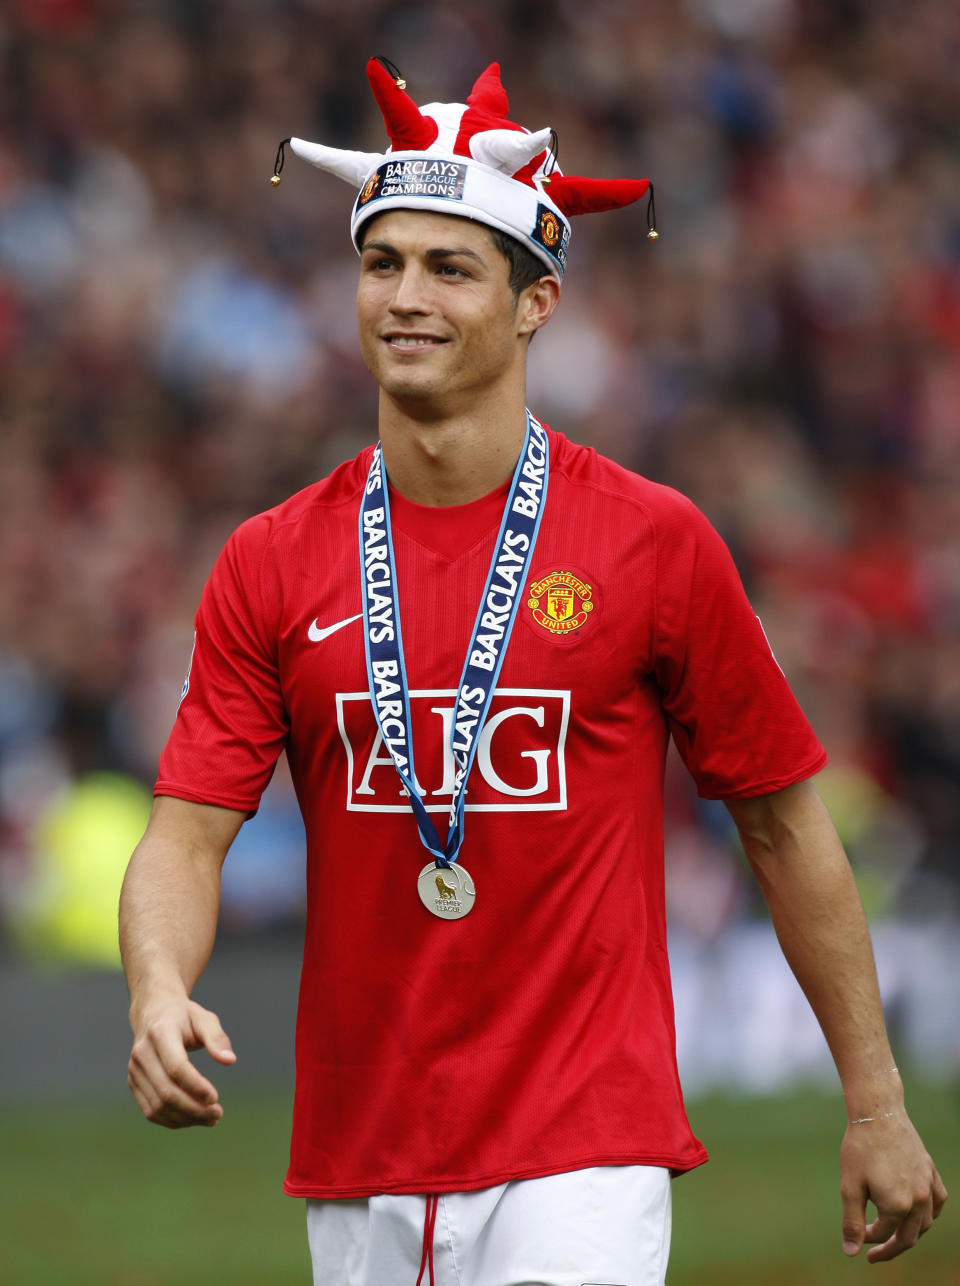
608, 1225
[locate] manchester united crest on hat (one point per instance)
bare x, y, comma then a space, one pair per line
553, 235
369, 188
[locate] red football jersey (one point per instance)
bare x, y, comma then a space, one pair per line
536, 1034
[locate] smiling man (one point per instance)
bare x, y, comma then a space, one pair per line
445, 336
474, 642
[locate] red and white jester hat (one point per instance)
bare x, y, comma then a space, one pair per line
469, 159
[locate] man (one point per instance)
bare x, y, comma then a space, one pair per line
486, 1082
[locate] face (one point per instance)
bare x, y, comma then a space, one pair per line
438, 320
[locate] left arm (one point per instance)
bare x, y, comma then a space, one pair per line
796, 855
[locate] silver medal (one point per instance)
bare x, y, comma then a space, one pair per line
447, 892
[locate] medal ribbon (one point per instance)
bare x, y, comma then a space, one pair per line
383, 645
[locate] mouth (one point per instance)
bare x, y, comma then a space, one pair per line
405, 342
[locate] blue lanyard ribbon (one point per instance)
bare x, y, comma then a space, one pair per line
383, 645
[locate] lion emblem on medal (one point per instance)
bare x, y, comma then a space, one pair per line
444, 889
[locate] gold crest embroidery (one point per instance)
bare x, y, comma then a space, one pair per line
549, 228
371, 185
560, 602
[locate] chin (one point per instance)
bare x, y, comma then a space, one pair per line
410, 390
411, 383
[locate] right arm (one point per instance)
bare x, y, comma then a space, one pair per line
168, 919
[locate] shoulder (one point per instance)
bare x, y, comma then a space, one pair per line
302, 515
586, 471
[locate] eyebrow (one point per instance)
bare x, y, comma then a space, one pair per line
384, 247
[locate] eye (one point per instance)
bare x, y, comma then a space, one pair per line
380, 264
452, 271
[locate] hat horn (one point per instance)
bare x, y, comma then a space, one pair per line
508, 150
488, 93
352, 167
409, 129
576, 195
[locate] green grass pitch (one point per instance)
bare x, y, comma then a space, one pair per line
90, 1195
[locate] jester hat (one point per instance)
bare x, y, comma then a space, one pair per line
469, 159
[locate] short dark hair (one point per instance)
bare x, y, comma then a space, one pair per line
525, 268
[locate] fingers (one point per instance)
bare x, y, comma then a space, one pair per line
897, 1233
167, 1114
887, 1165
169, 1089
893, 1232
212, 1036
854, 1219
939, 1193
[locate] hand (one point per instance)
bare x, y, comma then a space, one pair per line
884, 1161
169, 1089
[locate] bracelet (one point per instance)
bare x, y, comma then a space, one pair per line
864, 1120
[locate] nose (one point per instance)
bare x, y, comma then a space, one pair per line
411, 291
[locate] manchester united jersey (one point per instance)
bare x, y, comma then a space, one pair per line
536, 1034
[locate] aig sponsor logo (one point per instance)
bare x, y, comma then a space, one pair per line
520, 753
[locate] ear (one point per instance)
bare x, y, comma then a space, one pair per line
536, 304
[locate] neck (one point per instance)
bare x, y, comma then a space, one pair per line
451, 459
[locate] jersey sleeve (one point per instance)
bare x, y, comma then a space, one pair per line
733, 717
232, 724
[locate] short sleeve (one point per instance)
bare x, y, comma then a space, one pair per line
232, 724
734, 719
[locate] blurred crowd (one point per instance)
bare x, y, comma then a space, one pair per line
177, 352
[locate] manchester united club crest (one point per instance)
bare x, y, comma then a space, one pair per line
549, 229
561, 602
369, 188
552, 233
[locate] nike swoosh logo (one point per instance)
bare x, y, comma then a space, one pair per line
317, 635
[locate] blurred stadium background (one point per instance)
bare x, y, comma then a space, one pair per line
177, 351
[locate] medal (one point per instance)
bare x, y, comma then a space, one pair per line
445, 889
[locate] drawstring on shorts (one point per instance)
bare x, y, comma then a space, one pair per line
429, 1223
